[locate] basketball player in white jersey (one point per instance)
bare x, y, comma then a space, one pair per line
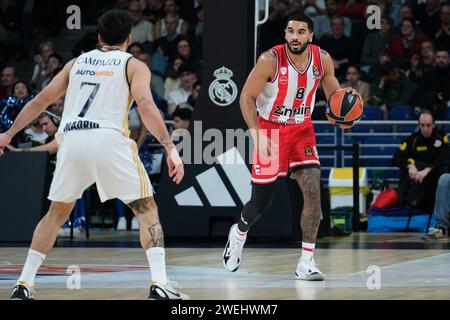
94, 147
281, 88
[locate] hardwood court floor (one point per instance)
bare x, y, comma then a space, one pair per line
409, 269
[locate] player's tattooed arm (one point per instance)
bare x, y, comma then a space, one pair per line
269, 55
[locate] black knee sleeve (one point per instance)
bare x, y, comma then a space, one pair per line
261, 198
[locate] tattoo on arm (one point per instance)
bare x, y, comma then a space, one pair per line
270, 54
324, 53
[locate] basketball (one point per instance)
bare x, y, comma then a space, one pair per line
344, 109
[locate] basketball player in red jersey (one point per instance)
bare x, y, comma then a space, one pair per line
282, 88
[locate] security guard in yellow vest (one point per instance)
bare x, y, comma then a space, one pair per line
422, 158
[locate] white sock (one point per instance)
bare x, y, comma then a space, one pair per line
307, 251
32, 264
157, 261
239, 234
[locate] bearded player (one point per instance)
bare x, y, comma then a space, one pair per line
277, 102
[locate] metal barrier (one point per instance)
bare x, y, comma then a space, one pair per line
336, 137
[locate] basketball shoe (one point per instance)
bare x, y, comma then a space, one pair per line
436, 234
233, 250
307, 270
21, 292
167, 292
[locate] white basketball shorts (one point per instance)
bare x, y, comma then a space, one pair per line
101, 156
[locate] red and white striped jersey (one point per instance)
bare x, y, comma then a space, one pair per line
289, 98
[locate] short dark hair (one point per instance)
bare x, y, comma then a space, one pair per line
186, 67
387, 68
302, 18
114, 26
182, 113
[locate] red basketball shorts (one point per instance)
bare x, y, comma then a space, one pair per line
293, 147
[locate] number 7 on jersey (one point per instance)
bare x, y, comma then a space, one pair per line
91, 97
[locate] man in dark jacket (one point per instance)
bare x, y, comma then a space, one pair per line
422, 158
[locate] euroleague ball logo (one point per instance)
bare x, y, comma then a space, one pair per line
223, 91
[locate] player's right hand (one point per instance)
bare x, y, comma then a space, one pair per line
175, 165
5, 139
264, 145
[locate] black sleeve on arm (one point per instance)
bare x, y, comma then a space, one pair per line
402, 154
443, 159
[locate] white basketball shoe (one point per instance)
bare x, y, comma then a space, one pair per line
233, 250
307, 270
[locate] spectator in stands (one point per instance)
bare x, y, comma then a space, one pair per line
185, 53
172, 81
436, 81
353, 79
45, 49
427, 14
167, 44
423, 63
54, 64
181, 118
339, 46
322, 23
12, 105
57, 107
49, 123
135, 49
375, 43
181, 26
142, 31
422, 158
403, 46
392, 87
192, 99
187, 77
181, 121
269, 32
313, 8
154, 11
441, 210
442, 36
8, 79
353, 9
157, 82
36, 133
406, 11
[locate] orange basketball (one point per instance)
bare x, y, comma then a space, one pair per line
344, 109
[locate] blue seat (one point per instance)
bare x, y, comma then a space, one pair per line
402, 113
387, 147
372, 113
372, 128
407, 128
323, 128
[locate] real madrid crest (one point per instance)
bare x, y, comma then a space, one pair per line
223, 91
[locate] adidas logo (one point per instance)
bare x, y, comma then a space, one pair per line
213, 186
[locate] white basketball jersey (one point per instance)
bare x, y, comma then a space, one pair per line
98, 94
